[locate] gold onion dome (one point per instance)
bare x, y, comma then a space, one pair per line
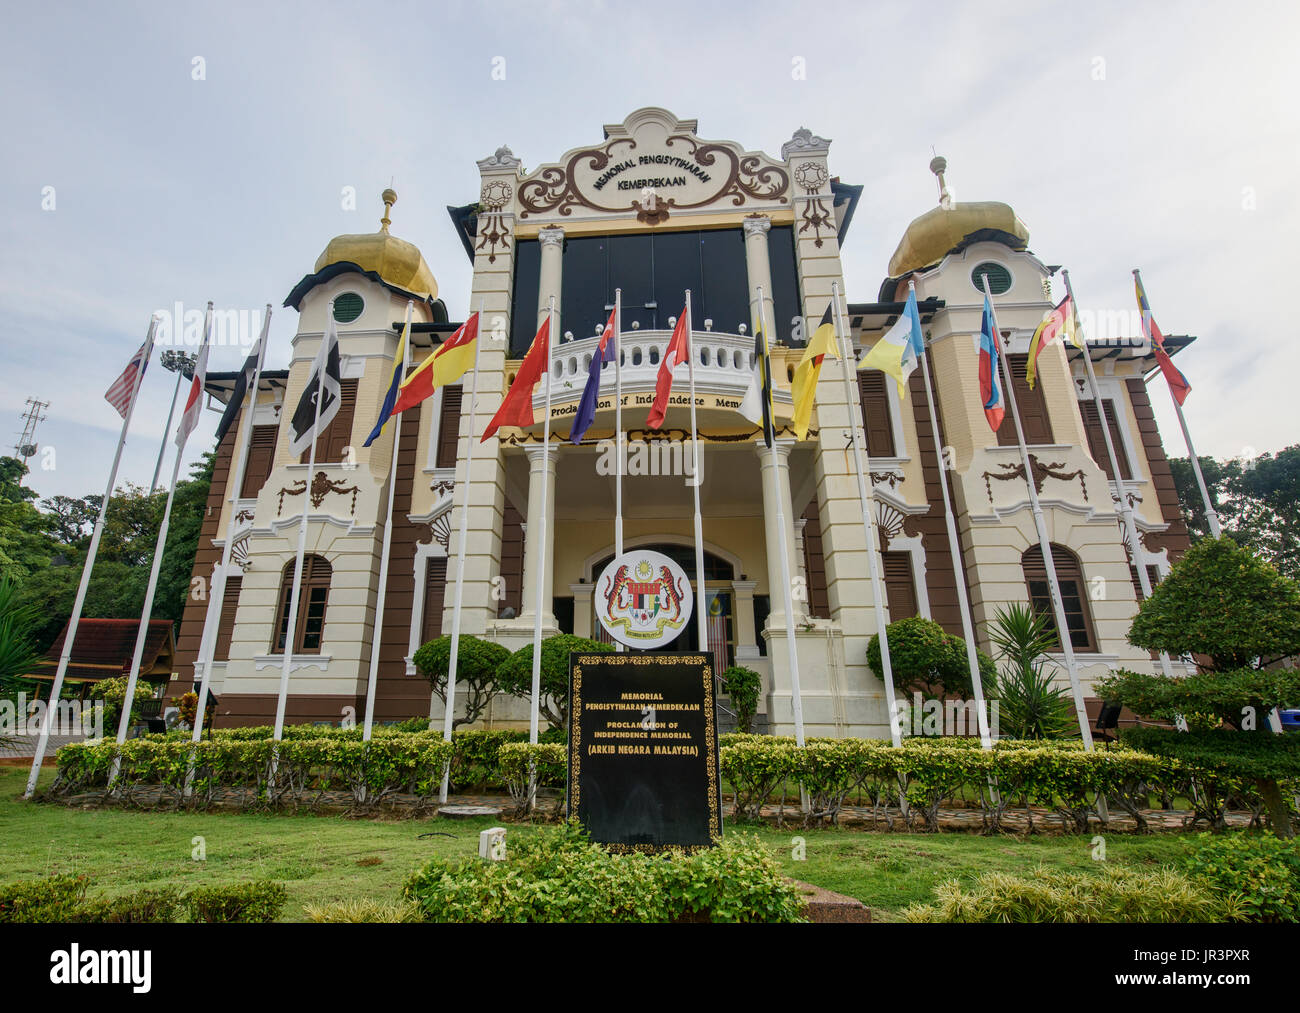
396, 261
939, 231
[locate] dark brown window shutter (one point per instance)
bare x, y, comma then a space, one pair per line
331, 444
900, 586
435, 598
449, 427
512, 559
226, 625
875, 412
1032, 405
1074, 594
814, 562
261, 459
1097, 439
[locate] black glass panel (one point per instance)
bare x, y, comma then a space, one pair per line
724, 291
523, 307
631, 268
785, 282
584, 280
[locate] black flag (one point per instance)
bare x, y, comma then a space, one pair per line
325, 378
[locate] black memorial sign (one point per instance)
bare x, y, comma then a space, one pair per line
643, 750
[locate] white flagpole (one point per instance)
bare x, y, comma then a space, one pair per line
142, 634
1211, 515
701, 617
958, 561
1125, 507
208, 641
162, 447
70, 636
376, 636
792, 648
618, 433
1045, 545
295, 595
449, 711
540, 583
866, 496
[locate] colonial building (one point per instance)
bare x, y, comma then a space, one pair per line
653, 209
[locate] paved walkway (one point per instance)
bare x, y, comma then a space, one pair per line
1015, 821
19, 746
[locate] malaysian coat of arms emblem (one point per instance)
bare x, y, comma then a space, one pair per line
644, 600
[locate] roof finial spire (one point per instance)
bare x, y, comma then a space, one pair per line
390, 198
938, 166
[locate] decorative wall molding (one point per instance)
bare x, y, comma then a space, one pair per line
321, 486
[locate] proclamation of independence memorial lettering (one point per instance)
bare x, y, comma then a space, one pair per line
643, 750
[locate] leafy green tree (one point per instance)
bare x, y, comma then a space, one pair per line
515, 676
1029, 705
1257, 500
477, 663
73, 518
1223, 603
26, 543
743, 686
926, 659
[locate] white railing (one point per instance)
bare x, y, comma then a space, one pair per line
724, 364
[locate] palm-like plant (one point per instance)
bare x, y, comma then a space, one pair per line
1029, 706
16, 623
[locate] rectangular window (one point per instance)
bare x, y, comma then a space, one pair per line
226, 626
654, 270
332, 444
1153, 576
874, 396
1097, 439
449, 427
435, 591
314, 598
1032, 405
261, 458
900, 585
815, 563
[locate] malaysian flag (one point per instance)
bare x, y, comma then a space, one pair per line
124, 387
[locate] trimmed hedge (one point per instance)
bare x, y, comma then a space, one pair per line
516, 762
305, 769
558, 876
1115, 894
62, 899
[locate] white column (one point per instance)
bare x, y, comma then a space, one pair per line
743, 616
776, 482
582, 617
759, 272
549, 278
539, 538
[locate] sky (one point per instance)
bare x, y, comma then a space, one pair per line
161, 153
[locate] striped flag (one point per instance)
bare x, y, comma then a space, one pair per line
123, 389
757, 402
194, 403
1178, 384
1059, 323
990, 384
804, 388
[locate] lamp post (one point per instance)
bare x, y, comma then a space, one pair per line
182, 364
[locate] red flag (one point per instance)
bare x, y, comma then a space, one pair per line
1178, 385
676, 352
517, 407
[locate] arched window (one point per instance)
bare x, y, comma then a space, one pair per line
310, 631
1074, 594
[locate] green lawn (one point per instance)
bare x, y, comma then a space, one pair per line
326, 858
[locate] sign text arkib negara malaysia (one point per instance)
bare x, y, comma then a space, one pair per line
643, 750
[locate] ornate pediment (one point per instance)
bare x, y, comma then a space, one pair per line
653, 166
